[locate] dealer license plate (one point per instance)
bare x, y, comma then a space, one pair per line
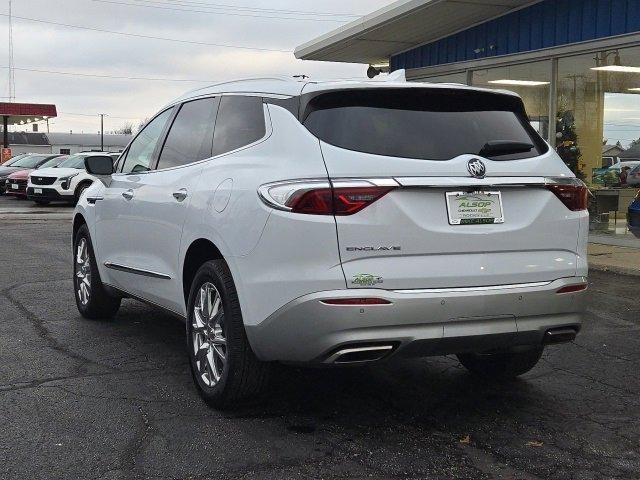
477, 208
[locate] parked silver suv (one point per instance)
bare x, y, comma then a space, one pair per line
339, 223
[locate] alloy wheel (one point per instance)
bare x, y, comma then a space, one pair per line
83, 271
208, 338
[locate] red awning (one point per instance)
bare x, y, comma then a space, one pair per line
23, 112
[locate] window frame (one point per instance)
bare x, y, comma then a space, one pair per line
268, 130
178, 108
154, 156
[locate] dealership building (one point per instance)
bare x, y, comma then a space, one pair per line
575, 63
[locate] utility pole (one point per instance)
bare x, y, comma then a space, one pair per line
102, 131
12, 78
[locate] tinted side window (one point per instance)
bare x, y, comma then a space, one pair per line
191, 134
240, 122
141, 150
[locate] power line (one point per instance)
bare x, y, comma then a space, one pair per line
94, 114
152, 37
96, 75
226, 6
159, 7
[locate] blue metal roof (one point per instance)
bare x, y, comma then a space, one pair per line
550, 23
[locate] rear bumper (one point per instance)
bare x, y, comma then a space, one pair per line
418, 322
49, 194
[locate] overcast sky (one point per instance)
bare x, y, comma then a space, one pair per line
43, 46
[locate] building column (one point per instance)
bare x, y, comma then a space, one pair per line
5, 123
553, 103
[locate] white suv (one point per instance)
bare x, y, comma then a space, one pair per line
339, 223
63, 183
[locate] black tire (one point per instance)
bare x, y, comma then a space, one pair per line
42, 202
243, 376
98, 303
503, 365
79, 190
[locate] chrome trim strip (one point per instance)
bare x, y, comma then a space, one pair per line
136, 271
512, 286
340, 353
296, 185
449, 182
365, 182
452, 182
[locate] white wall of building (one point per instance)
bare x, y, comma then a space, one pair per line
17, 149
71, 149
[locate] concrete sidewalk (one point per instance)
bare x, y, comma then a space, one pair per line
613, 258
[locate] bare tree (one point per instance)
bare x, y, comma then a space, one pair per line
125, 129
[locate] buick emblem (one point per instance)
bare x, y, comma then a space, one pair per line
476, 168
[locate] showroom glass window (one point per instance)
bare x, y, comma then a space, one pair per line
141, 150
598, 108
191, 135
240, 122
458, 77
532, 81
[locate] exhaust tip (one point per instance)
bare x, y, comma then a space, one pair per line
359, 354
560, 335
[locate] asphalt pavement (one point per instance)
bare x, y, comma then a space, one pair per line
109, 400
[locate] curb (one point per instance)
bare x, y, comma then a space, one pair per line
631, 272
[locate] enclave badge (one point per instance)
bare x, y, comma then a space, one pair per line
476, 168
392, 248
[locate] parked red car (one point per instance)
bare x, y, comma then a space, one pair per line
16, 183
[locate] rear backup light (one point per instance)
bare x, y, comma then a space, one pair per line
356, 301
572, 192
344, 197
573, 288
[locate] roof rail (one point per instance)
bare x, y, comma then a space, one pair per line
281, 78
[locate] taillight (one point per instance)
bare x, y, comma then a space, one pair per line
572, 192
342, 197
314, 202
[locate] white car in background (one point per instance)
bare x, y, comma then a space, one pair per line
63, 183
633, 177
617, 167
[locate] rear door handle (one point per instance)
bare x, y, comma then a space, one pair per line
180, 195
128, 194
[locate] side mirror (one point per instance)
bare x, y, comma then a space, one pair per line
99, 165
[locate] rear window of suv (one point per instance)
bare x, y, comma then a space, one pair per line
429, 124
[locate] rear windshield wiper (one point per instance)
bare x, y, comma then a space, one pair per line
504, 147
